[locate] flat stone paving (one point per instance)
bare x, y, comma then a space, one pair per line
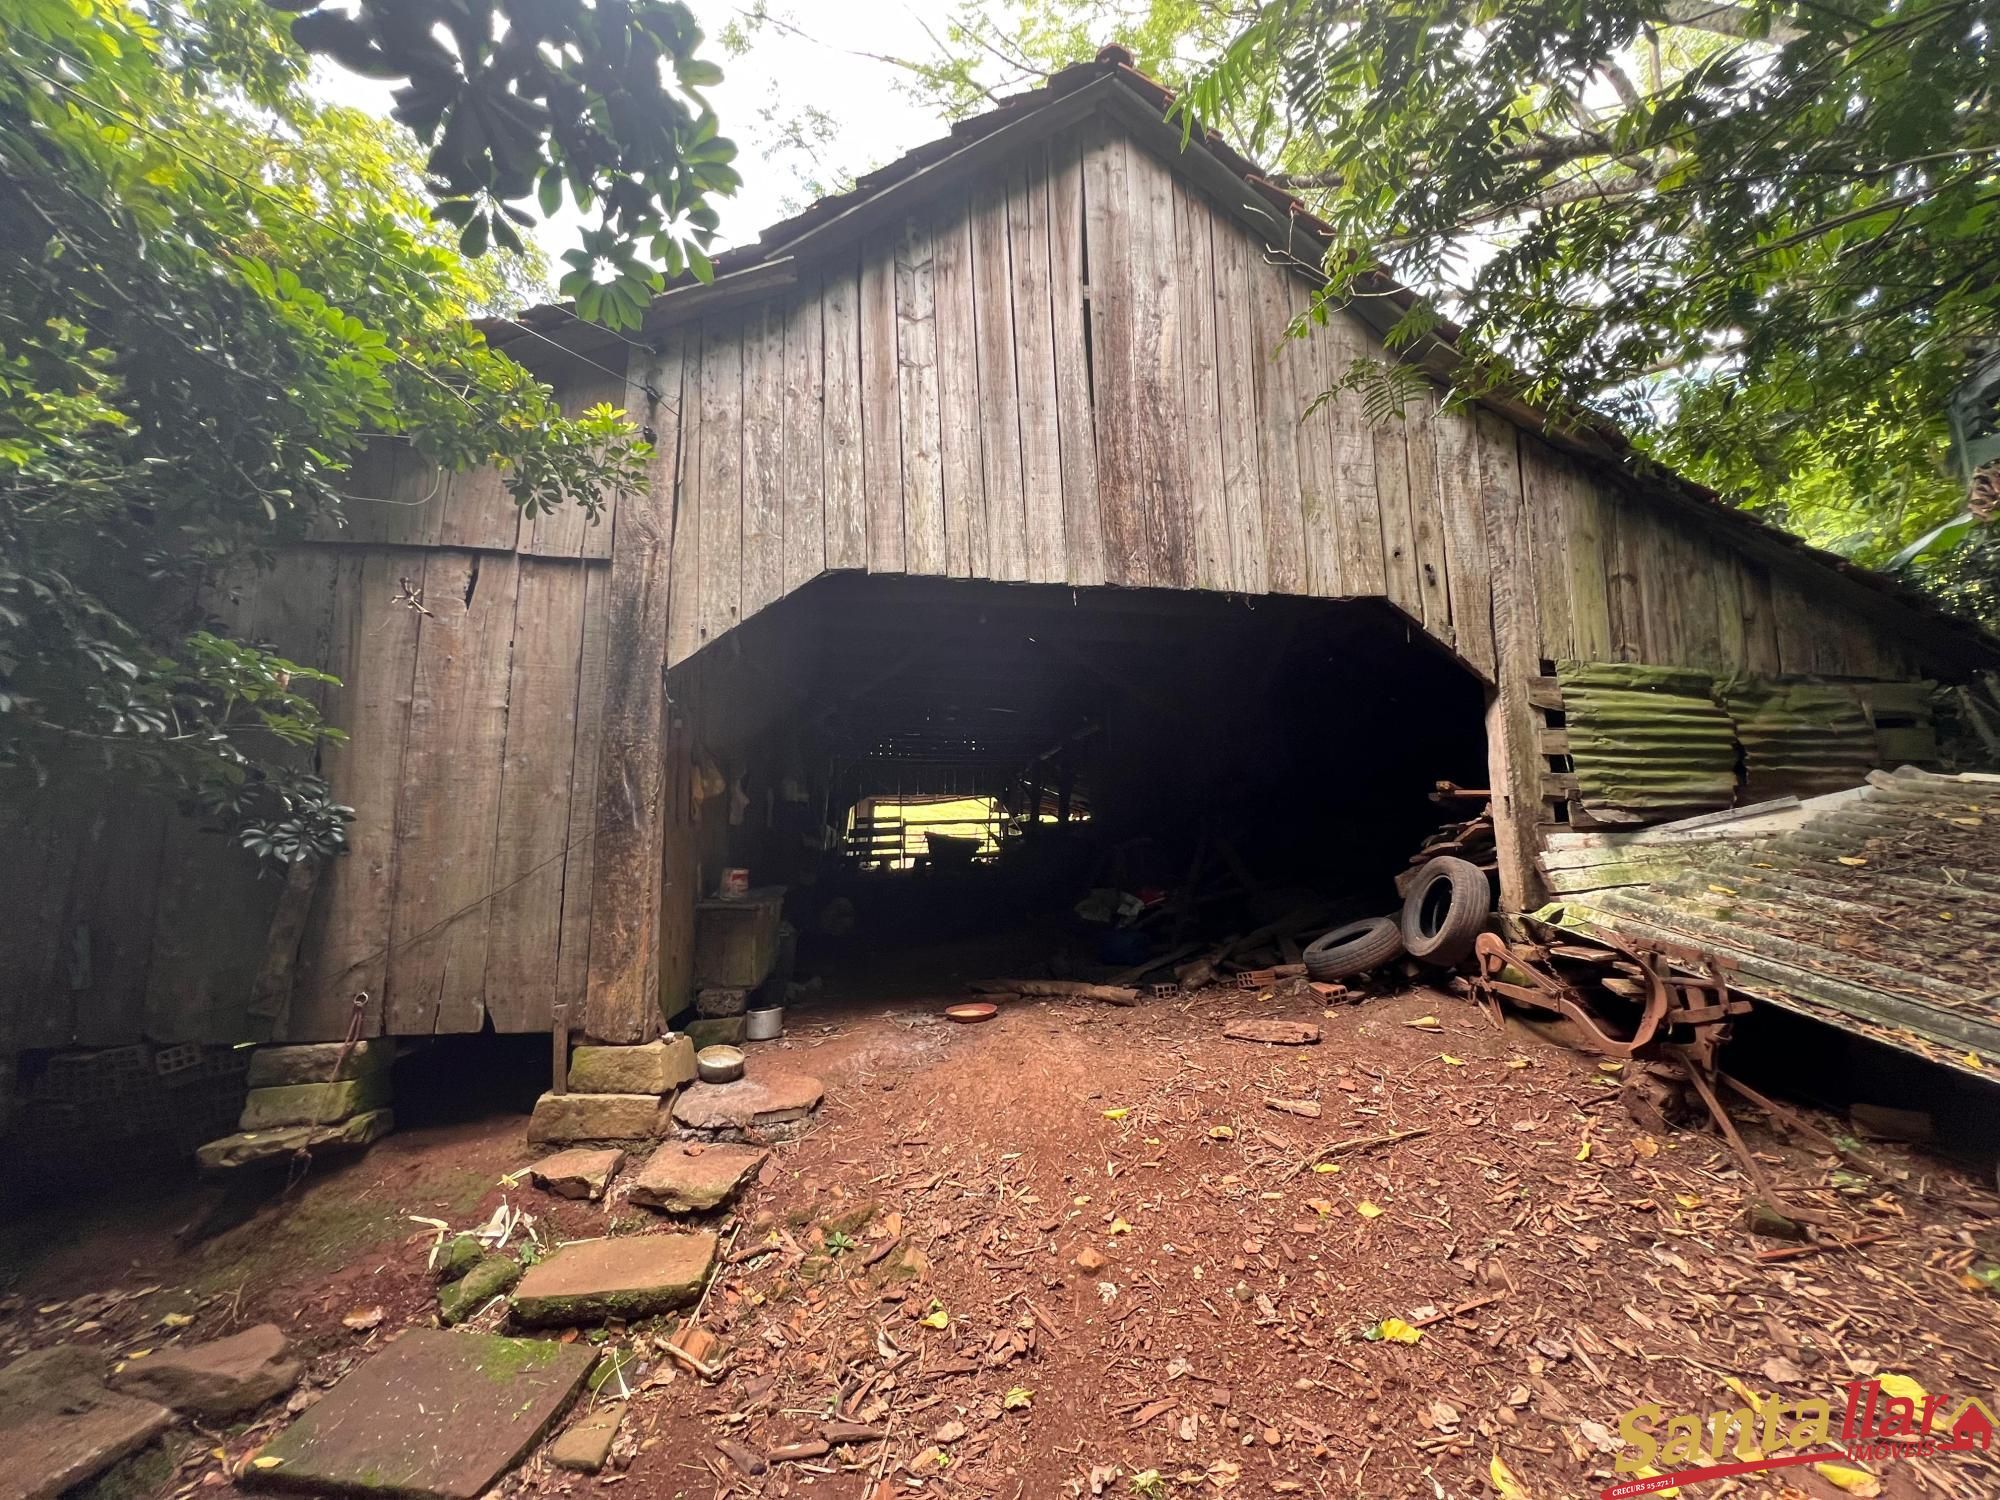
767, 1097
435, 1414
633, 1276
60, 1425
684, 1178
579, 1172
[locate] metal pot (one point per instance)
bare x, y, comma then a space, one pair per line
764, 1025
718, 1064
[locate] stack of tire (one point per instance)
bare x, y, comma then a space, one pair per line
1445, 910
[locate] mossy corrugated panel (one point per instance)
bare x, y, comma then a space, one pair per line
1801, 738
1647, 743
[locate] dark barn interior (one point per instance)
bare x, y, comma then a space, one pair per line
1224, 761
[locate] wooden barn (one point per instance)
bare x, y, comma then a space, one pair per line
988, 487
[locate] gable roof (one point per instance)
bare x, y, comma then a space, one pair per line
1110, 85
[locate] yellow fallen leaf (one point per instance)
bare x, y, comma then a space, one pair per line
1515, 1064
1688, 1200
1742, 1392
1902, 1385
1018, 1399
1970, 822
1452, 1062
1396, 1331
1974, 1060
1850, 860
1853, 1481
1944, 916
1506, 1481
1611, 1065
176, 1320
1367, 1210
1116, 1114
265, 1461
1426, 1023
1119, 1226
1583, 1151
1221, 1133
1326, 1168
937, 1317
1723, 890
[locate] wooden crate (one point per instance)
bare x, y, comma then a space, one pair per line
736, 941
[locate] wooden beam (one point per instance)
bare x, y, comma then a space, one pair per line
620, 1003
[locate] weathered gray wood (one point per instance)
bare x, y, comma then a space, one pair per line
1035, 372
1357, 504
1545, 485
1427, 516
1465, 544
676, 511
566, 531
763, 538
881, 408
531, 830
802, 478
629, 824
1144, 376
1201, 400
1114, 317
720, 476
1239, 367
916, 365
962, 477
846, 505
579, 838
448, 801
1076, 417
1278, 406
374, 650
1512, 726
1000, 549
1587, 562
1760, 634
1398, 526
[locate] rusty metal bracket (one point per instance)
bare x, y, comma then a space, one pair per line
1505, 973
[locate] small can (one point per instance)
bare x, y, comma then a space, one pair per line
735, 885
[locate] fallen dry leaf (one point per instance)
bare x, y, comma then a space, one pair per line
362, 1319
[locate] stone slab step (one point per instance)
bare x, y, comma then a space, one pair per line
659, 1067
218, 1380
313, 1062
684, 1178
580, 1172
60, 1425
437, 1415
568, 1119
634, 1276
250, 1147
314, 1103
766, 1097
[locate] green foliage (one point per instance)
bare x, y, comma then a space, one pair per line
214, 295
522, 100
1765, 236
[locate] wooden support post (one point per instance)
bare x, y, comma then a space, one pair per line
621, 1004
559, 1047
1513, 749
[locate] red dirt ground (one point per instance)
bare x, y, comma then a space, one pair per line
1565, 1267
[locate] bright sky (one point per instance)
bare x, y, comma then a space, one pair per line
783, 75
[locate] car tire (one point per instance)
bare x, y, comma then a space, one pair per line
1354, 949
1445, 911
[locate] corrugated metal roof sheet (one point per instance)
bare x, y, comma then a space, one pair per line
1647, 743
1875, 910
1799, 738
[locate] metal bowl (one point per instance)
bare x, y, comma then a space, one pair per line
718, 1064
968, 1014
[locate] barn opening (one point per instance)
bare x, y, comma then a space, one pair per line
930, 778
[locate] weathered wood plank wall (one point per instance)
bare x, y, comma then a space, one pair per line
1074, 371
